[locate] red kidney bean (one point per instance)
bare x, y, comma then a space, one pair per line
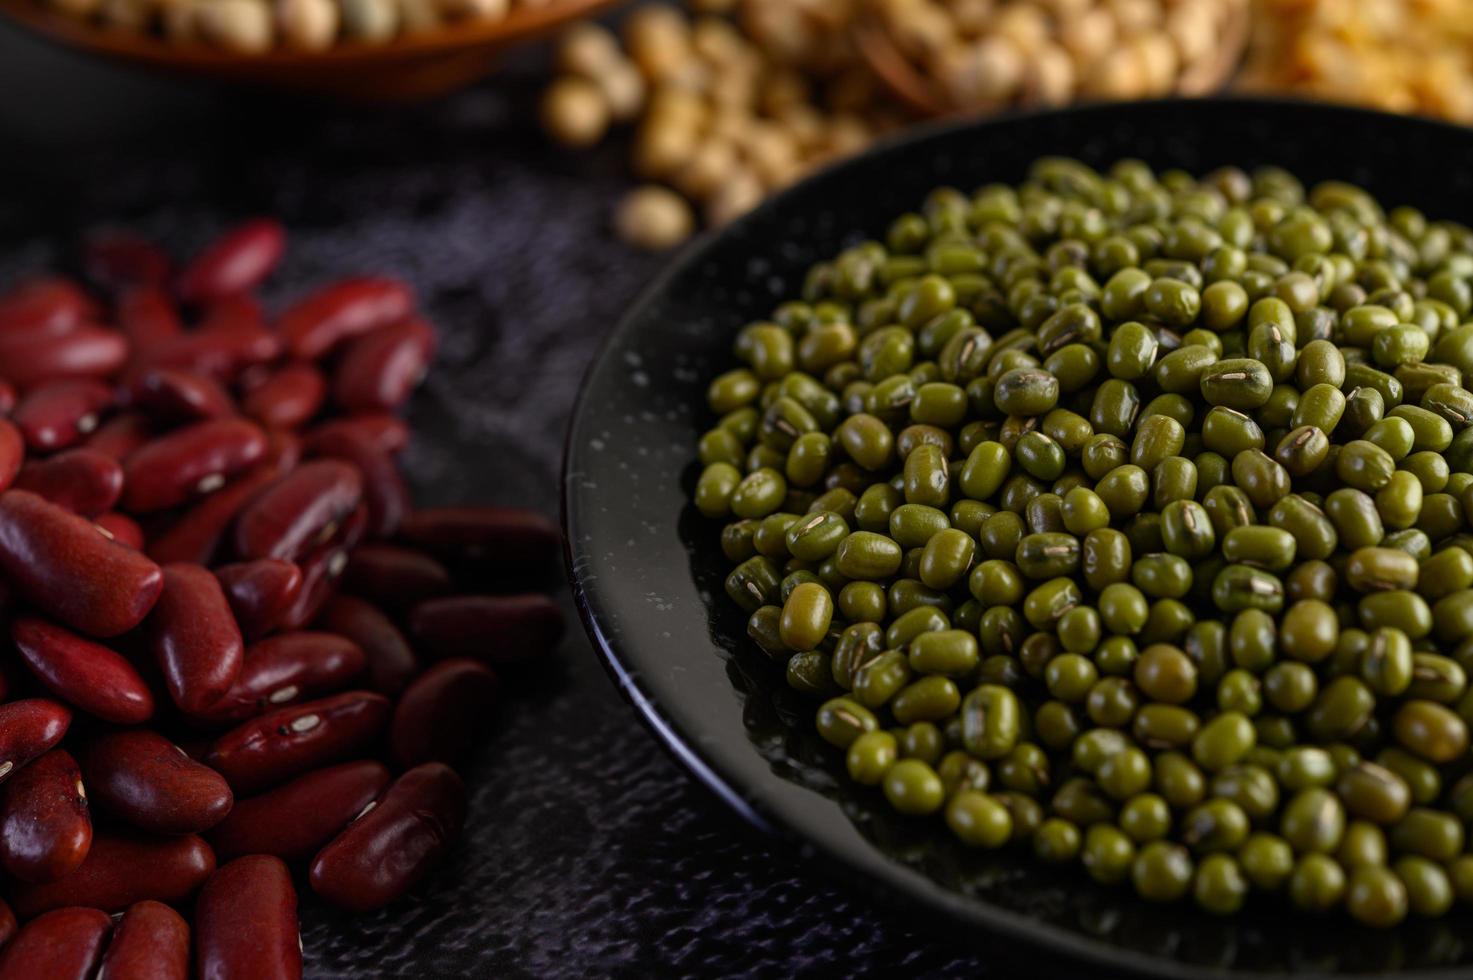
288, 398
123, 528
384, 490
379, 371
393, 576
45, 829
235, 262
29, 727
64, 944
442, 712
236, 310
8, 397
150, 942
270, 749
386, 433
349, 308
177, 395
283, 450
123, 868
194, 637
299, 511
58, 414
260, 593
83, 352
84, 481
396, 843
285, 669
294, 820
86, 675
389, 660
230, 339
510, 536
147, 316
246, 922
499, 630
120, 435
148, 782
66, 567
47, 305
114, 258
321, 570
12, 452
190, 462
196, 535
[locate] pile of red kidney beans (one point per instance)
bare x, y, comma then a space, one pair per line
238, 658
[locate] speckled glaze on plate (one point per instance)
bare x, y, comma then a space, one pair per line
647, 570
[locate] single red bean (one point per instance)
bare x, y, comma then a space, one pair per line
299, 511
86, 675
511, 537
84, 481
499, 630
177, 395
235, 262
285, 669
390, 661
12, 452
396, 843
349, 308
120, 869
194, 637
150, 942
273, 748
66, 567
288, 398
283, 449
148, 317
234, 311
190, 462
120, 435
386, 433
8, 397
384, 490
196, 535
442, 712
123, 529
379, 371
45, 829
246, 922
231, 338
47, 305
64, 944
58, 414
260, 593
294, 820
394, 576
148, 782
29, 727
83, 352
115, 258
321, 569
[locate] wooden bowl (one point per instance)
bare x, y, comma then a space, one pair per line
920, 93
407, 68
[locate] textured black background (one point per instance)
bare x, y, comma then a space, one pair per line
588, 852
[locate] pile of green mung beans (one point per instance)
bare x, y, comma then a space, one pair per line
1121, 517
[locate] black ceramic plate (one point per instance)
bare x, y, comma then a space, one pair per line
647, 569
